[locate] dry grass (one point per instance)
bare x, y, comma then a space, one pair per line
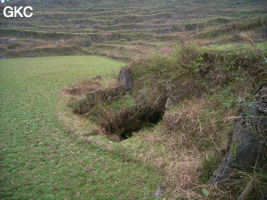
194, 125
181, 145
193, 136
83, 88
182, 168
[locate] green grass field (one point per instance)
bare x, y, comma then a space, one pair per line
39, 158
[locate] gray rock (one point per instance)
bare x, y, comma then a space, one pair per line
101, 95
249, 149
222, 173
95, 97
125, 77
249, 141
261, 98
98, 96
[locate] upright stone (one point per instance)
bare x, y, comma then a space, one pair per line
249, 141
125, 77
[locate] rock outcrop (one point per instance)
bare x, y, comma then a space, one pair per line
125, 83
249, 140
97, 96
125, 77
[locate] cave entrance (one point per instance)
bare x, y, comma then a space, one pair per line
146, 122
134, 120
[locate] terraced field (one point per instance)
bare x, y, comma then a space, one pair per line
38, 158
127, 29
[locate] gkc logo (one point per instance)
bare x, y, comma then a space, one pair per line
13, 12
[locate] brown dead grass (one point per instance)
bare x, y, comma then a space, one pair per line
177, 147
182, 167
83, 88
193, 123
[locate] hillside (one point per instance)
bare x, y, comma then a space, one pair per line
128, 29
134, 99
198, 115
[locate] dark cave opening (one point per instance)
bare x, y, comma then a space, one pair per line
147, 120
133, 120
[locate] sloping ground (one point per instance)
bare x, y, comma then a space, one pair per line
39, 159
179, 116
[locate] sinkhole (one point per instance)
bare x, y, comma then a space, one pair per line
132, 120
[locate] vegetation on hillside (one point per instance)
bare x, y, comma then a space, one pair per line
72, 130
206, 86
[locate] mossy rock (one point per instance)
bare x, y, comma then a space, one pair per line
248, 145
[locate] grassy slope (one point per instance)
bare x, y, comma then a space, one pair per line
191, 140
39, 160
